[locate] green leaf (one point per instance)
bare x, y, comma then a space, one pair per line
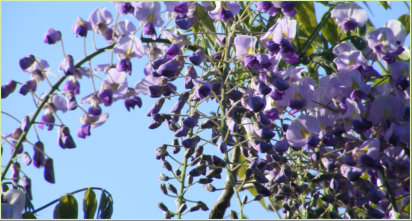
406, 21
29, 215
306, 18
204, 23
330, 32
105, 207
89, 204
67, 208
241, 174
386, 4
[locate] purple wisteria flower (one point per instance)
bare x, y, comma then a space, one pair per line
38, 156
254, 103
202, 89
124, 7
65, 139
387, 42
130, 46
267, 7
288, 8
67, 65
99, 19
124, 27
146, 11
114, 87
284, 28
52, 36
348, 16
225, 11
384, 108
8, 88
348, 57
49, 170
80, 27
244, 45
301, 129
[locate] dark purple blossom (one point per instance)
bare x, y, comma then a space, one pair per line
288, 52
197, 57
49, 170
65, 139
38, 156
125, 65
7, 89
80, 27
349, 15
28, 86
52, 36
254, 103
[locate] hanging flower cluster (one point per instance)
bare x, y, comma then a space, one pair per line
315, 144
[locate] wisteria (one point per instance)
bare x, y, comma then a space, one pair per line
309, 125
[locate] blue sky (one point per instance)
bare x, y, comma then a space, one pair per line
119, 156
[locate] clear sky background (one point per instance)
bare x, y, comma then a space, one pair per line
120, 155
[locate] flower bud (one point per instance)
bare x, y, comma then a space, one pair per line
26, 183
26, 159
194, 208
52, 36
209, 187
205, 180
197, 57
38, 154
163, 207
15, 172
163, 177
182, 208
189, 179
65, 138
26, 62
49, 170
233, 214
7, 89
172, 188
214, 173
106, 96
167, 165
163, 188
156, 107
258, 197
